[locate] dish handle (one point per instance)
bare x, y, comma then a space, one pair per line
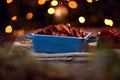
29, 35
92, 39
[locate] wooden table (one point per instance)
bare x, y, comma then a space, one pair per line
79, 64
89, 65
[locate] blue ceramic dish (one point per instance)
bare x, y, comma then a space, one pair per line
59, 44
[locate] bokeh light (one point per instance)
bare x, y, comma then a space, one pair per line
61, 11
8, 29
108, 22
54, 3
96, 0
29, 15
9, 1
58, 12
81, 19
72, 4
41, 2
14, 18
51, 11
89, 1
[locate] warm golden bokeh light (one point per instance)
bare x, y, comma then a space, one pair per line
108, 22
8, 29
61, 11
9, 1
29, 15
54, 3
72, 4
14, 18
89, 1
81, 19
41, 2
58, 12
96, 0
51, 11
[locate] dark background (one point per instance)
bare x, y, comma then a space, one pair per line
95, 13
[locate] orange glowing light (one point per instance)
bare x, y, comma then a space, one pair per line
20, 32
8, 29
14, 18
9, 1
72, 4
41, 2
60, 11
29, 15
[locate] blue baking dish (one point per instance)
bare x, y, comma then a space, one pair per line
59, 44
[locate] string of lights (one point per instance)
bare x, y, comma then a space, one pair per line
59, 9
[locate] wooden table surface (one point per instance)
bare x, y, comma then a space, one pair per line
89, 67
79, 64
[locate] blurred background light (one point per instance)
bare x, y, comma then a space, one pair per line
54, 3
29, 15
81, 19
96, 0
8, 29
41, 2
58, 12
14, 18
61, 11
72, 4
9, 1
89, 1
108, 22
17, 11
51, 11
